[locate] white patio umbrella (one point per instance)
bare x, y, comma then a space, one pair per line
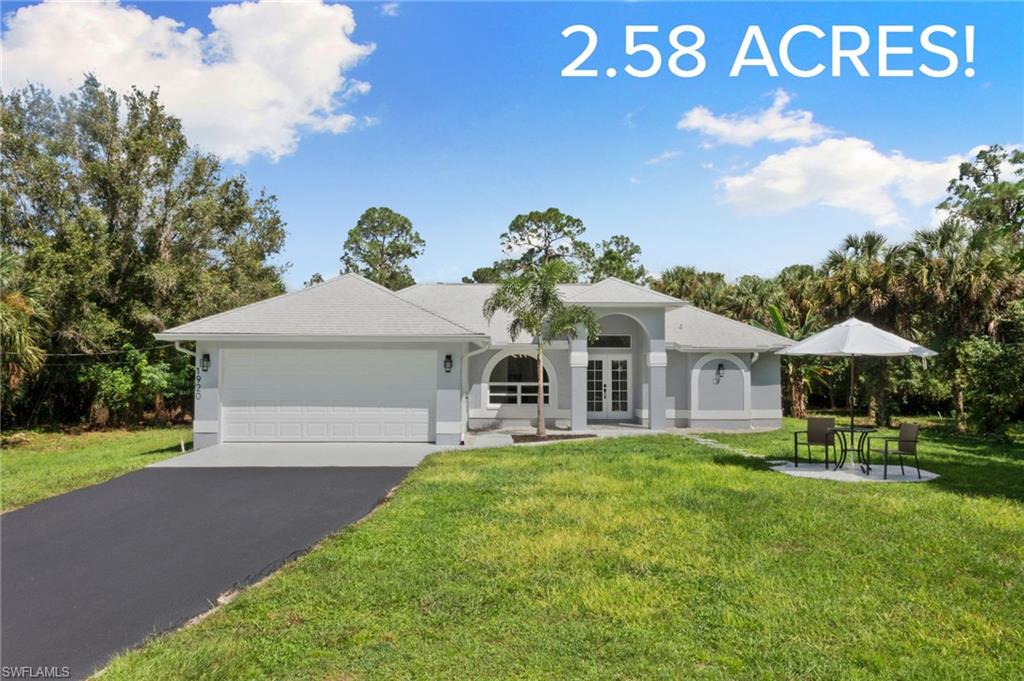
854, 338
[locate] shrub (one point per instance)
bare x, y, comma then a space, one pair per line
125, 389
993, 374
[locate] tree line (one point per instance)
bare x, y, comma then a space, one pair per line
115, 228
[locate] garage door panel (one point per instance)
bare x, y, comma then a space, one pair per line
328, 395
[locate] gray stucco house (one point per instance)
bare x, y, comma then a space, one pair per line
348, 360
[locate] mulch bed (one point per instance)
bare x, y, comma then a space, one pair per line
525, 437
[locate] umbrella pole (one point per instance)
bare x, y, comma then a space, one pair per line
851, 389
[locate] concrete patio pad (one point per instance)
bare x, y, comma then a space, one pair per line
304, 455
851, 472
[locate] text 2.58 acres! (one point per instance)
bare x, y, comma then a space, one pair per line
896, 51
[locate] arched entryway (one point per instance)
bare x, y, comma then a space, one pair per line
616, 370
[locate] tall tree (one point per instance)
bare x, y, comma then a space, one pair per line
862, 278
962, 279
380, 247
531, 299
492, 274
122, 227
989, 193
618, 257
543, 235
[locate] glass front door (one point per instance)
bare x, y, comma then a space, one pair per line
608, 395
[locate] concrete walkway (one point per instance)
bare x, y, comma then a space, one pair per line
304, 455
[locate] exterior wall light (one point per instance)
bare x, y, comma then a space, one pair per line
447, 364
204, 362
720, 372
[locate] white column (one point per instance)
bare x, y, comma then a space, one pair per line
578, 390
657, 360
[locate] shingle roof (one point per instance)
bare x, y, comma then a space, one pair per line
349, 305
614, 291
692, 327
463, 304
352, 306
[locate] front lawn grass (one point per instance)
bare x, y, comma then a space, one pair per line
635, 558
35, 465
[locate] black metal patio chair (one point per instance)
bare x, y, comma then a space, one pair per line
905, 444
817, 434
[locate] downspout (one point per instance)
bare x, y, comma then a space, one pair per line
465, 382
177, 346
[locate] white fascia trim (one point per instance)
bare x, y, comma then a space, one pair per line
299, 338
648, 304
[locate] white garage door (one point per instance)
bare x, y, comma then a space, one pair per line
324, 395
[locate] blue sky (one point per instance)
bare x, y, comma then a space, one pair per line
467, 122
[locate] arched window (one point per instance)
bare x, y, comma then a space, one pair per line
513, 380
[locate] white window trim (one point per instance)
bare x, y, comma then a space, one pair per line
485, 383
626, 348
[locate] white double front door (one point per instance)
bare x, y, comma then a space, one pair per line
608, 393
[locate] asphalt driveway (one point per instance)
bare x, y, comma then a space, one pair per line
94, 571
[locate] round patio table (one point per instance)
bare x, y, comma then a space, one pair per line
851, 439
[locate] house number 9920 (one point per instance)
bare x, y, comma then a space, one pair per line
685, 61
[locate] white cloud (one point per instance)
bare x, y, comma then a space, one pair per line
774, 123
634, 180
844, 173
389, 9
663, 157
265, 74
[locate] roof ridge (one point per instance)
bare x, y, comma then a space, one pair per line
737, 322
409, 302
629, 284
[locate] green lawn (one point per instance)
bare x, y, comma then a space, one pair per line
967, 464
36, 465
648, 557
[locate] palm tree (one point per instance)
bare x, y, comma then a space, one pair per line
961, 277
707, 290
23, 323
800, 374
531, 297
753, 297
860, 279
863, 278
